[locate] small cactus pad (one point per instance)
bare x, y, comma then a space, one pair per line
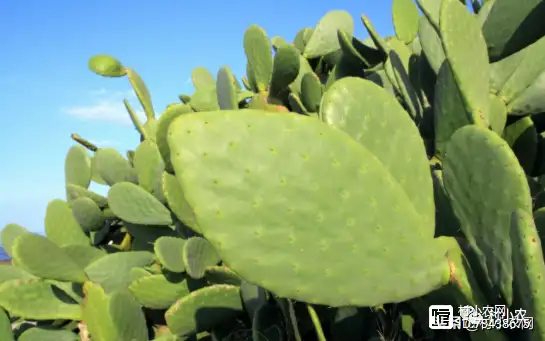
133, 204
77, 166
107, 66
169, 250
112, 271
405, 19
5, 327
30, 250
158, 292
60, 225
203, 309
198, 254
38, 300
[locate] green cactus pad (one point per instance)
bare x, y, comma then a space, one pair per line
260, 61
324, 38
185, 98
349, 53
8, 272
463, 286
9, 233
285, 70
149, 166
162, 130
484, 211
142, 93
128, 317
130, 156
43, 334
304, 68
251, 78
432, 10
29, 250
498, 114
311, 91
397, 71
137, 273
246, 82
178, 203
198, 254
512, 25
38, 300
157, 292
293, 159
531, 100
466, 52
83, 255
96, 313
170, 252
377, 121
221, 275
112, 271
60, 225
431, 44
202, 78
278, 42
204, 309
449, 112
373, 34
5, 327
77, 167
226, 89
107, 66
133, 204
87, 214
296, 105
75, 191
302, 37
111, 166
522, 137
205, 99
528, 270
520, 70
405, 19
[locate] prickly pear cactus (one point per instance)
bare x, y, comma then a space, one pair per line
334, 192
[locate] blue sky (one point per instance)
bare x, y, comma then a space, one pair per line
47, 92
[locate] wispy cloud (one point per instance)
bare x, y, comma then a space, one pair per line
104, 143
106, 106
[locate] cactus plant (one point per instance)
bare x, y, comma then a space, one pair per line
347, 185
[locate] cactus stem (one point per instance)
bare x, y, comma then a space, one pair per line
135, 120
316, 323
84, 142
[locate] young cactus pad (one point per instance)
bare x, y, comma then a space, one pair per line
286, 199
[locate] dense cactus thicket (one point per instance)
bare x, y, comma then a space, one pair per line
337, 192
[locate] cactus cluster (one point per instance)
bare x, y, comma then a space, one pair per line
337, 192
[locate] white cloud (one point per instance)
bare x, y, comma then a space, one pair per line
107, 106
104, 143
